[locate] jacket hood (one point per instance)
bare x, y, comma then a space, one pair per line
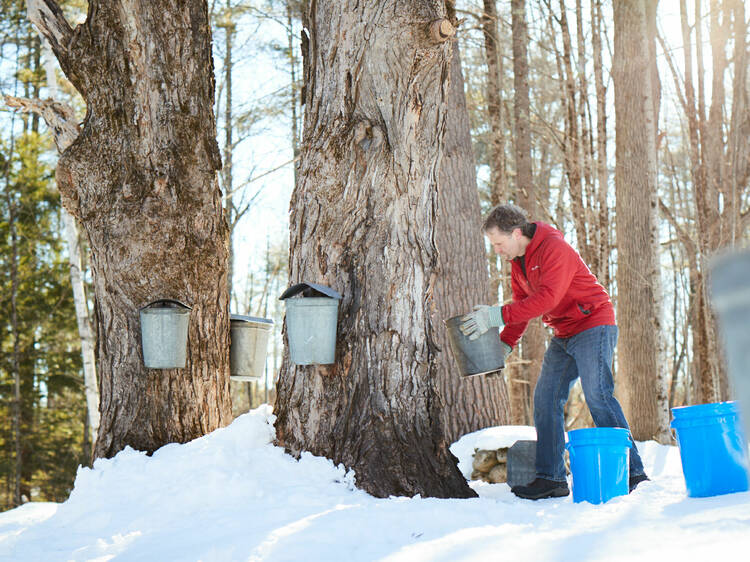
543, 231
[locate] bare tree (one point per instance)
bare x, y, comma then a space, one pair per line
523, 375
639, 296
477, 402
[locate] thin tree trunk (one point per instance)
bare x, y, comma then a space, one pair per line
141, 177
363, 218
293, 87
602, 173
476, 402
60, 119
499, 188
738, 150
15, 353
635, 181
523, 376
572, 143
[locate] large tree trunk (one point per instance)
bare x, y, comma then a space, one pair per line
644, 390
141, 177
471, 403
363, 221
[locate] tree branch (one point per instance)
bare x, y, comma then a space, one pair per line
48, 18
681, 233
60, 118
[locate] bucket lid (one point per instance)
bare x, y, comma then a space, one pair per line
703, 413
166, 303
309, 290
242, 318
599, 436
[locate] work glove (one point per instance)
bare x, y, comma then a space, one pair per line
482, 319
506, 350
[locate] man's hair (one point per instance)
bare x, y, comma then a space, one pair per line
507, 218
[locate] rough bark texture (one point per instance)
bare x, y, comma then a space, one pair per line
635, 182
499, 188
523, 375
141, 178
602, 174
470, 403
363, 221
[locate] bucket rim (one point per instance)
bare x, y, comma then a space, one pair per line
599, 436
706, 410
312, 301
240, 320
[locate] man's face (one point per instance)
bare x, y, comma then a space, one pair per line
508, 246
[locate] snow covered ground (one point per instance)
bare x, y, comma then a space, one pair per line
231, 495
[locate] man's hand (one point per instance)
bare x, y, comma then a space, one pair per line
482, 319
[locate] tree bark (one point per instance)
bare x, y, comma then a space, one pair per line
363, 221
470, 403
644, 391
499, 187
141, 178
522, 376
604, 245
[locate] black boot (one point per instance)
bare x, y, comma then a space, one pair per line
635, 480
541, 488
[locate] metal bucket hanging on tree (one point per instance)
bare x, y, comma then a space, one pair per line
311, 319
164, 331
249, 347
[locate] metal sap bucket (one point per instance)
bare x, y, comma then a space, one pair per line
311, 319
164, 331
521, 463
729, 281
475, 357
249, 347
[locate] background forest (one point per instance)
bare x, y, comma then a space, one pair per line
540, 80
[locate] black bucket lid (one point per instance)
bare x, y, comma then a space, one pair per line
241, 318
309, 290
166, 303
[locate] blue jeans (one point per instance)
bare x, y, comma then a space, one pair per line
587, 355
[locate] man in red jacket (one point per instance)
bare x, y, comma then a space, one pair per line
549, 279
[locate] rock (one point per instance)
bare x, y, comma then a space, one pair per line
484, 460
498, 474
502, 455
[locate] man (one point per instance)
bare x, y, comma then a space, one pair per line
549, 279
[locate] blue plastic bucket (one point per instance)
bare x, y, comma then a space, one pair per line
599, 463
713, 448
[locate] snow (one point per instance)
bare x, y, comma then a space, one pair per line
232, 495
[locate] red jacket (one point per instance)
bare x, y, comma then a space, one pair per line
557, 286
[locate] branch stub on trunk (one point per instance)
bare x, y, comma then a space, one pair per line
441, 30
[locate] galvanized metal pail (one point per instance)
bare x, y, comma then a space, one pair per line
164, 331
249, 347
475, 357
312, 312
311, 330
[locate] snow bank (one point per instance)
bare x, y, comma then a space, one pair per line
231, 495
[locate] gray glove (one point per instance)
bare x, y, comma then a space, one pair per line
506, 350
482, 319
